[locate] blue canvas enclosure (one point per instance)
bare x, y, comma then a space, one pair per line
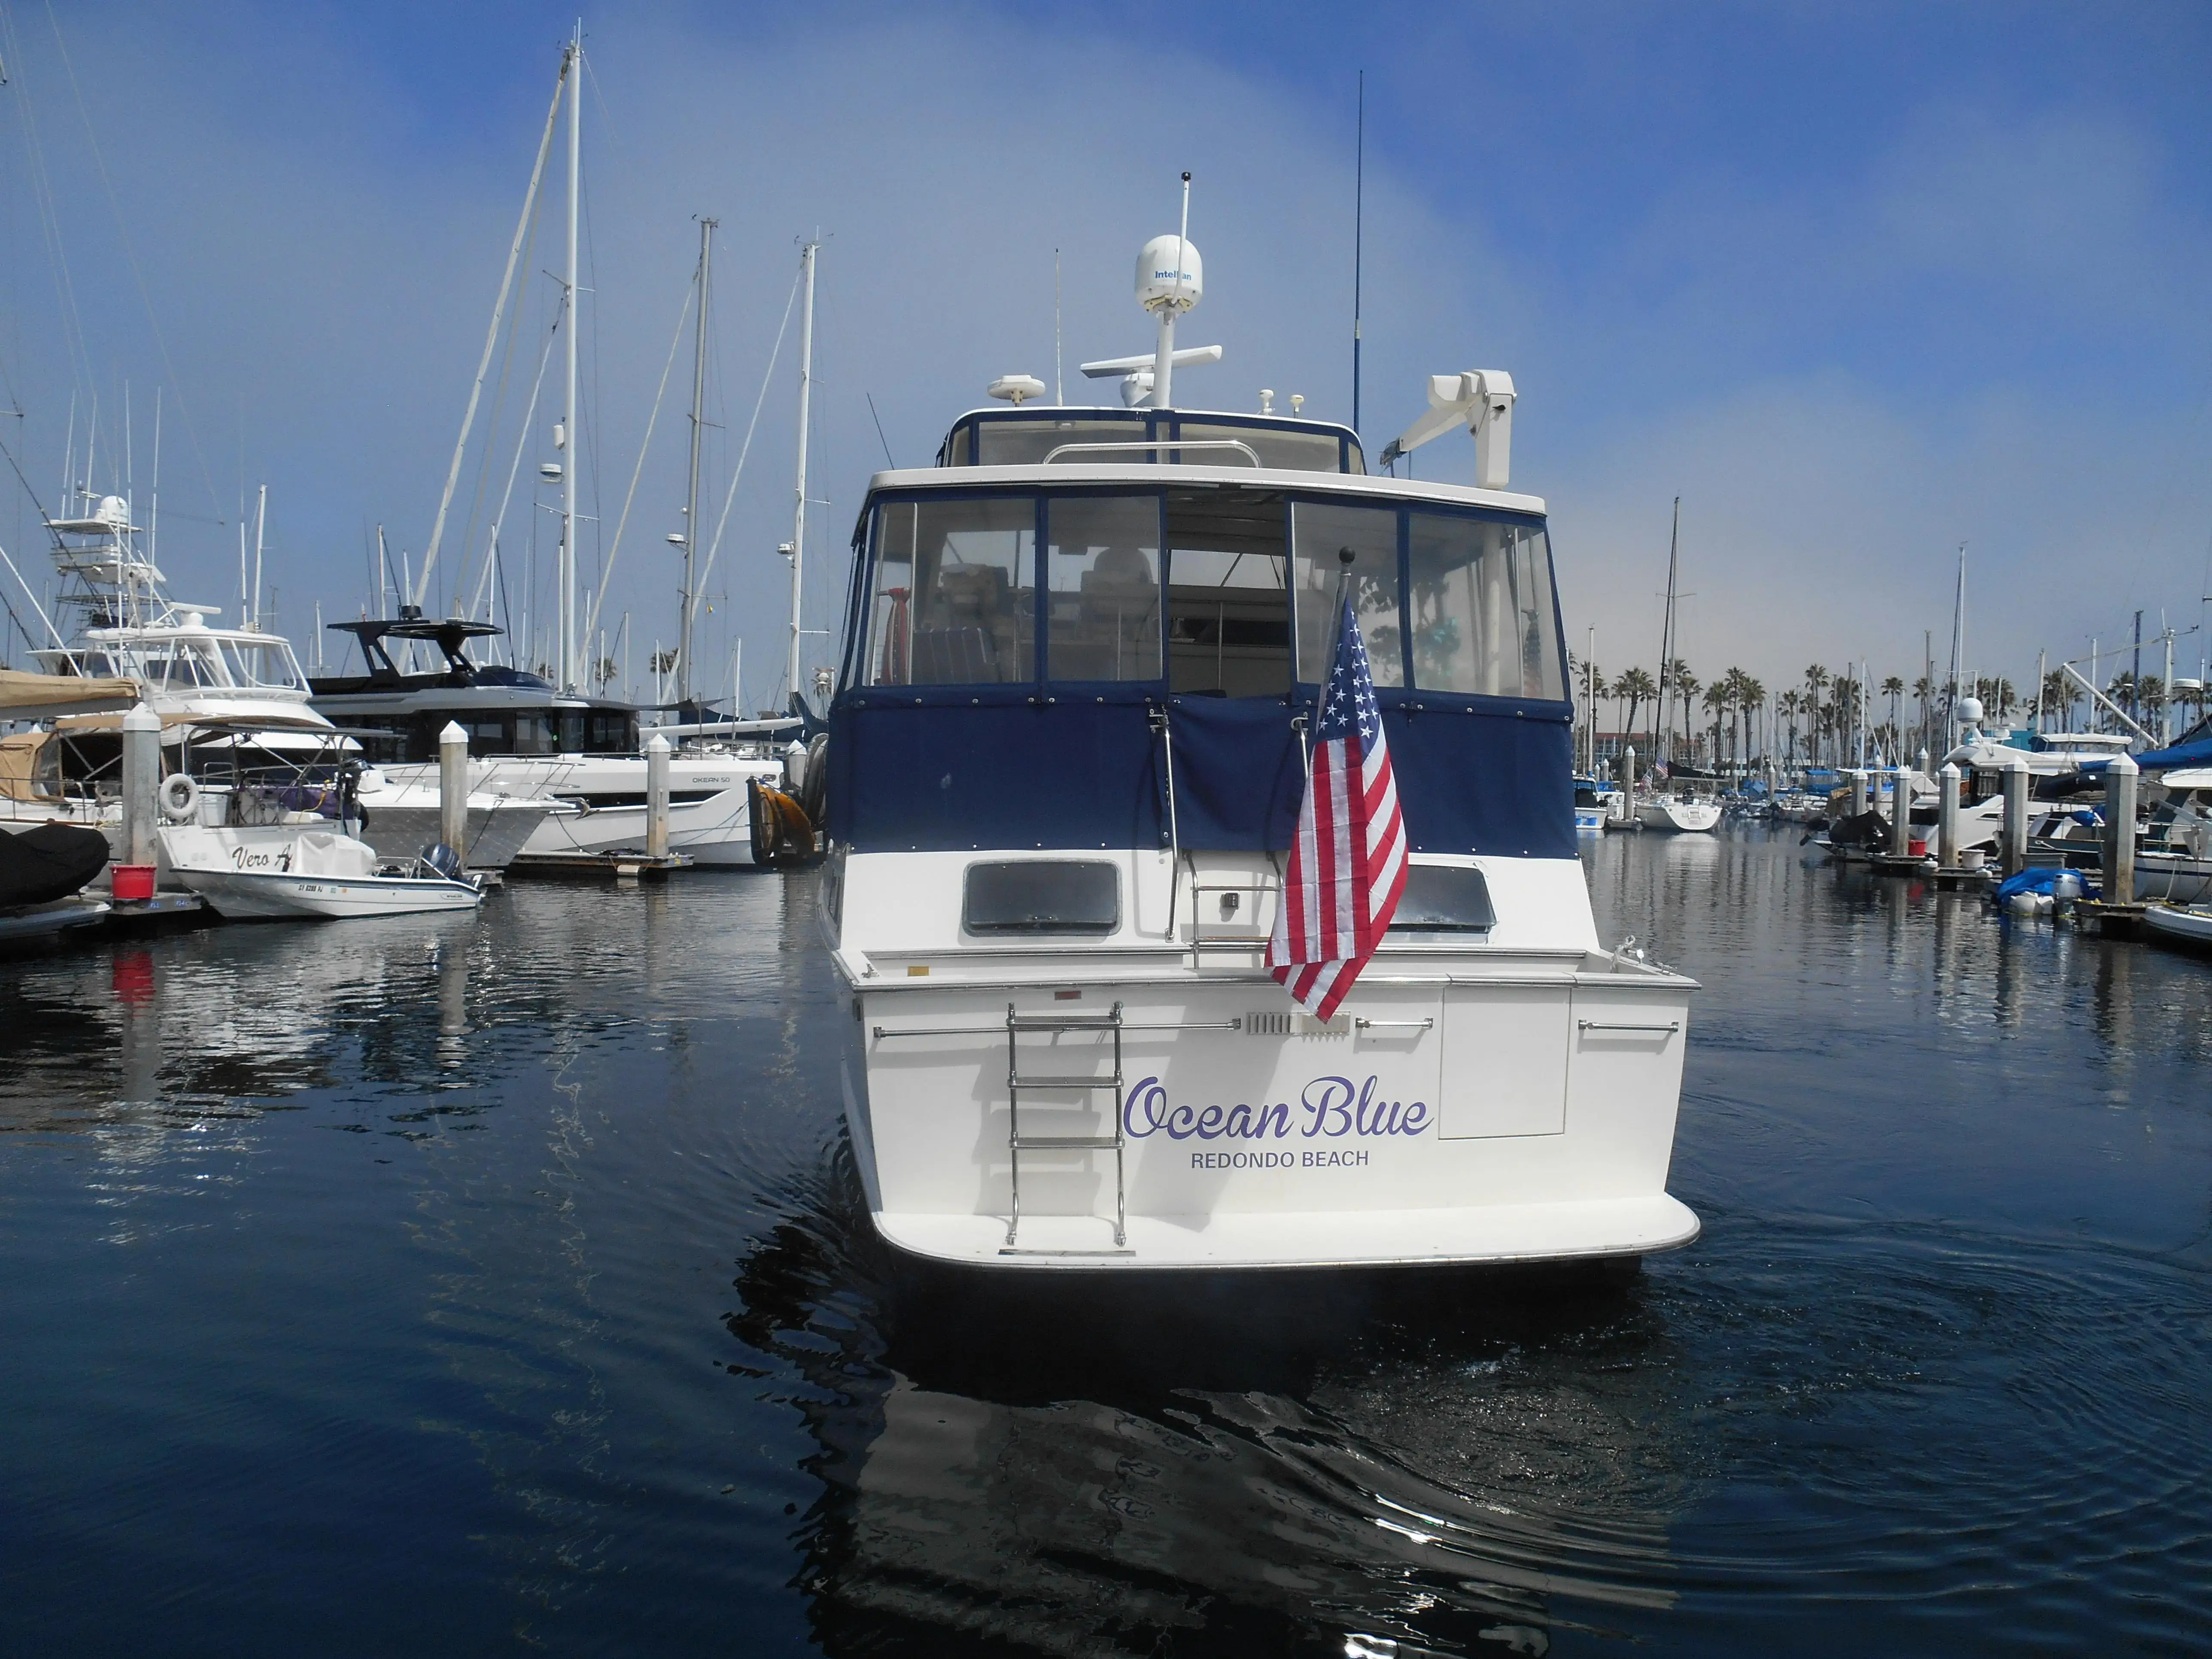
941, 770
1019, 661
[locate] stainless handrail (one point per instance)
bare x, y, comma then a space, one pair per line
1251, 454
881, 1033
1611, 1025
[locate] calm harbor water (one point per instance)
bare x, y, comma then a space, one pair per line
460, 1287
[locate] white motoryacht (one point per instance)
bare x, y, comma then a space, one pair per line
528, 741
239, 689
1067, 750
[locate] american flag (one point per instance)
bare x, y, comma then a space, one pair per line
1348, 863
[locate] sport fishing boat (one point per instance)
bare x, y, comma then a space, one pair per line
528, 741
1081, 664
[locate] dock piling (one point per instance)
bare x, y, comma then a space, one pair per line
141, 782
453, 787
1859, 794
1900, 815
2015, 815
1946, 817
656, 797
2119, 851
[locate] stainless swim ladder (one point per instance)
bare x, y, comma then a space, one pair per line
1017, 1143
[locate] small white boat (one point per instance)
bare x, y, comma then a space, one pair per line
1690, 813
2189, 925
315, 873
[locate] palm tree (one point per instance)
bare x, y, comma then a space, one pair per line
2059, 698
1636, 686
1816, 681
1750, 699
1682, 685
1717, 704
1923, 689
1894, 688
1787, 706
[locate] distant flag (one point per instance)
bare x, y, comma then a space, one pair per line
1348, 863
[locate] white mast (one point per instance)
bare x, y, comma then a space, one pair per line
806, 392
1163, 356
568, 561
691, 499
491, 340
252, 618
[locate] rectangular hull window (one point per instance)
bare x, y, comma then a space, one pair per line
1229, 606
1320, 536
1042, 896
1444, 900
954, 600
1481, 614
1103, 602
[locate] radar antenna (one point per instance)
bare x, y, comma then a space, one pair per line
1171, 280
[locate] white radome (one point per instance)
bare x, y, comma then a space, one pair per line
1162, 279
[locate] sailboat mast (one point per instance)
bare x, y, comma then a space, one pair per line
691, 498
1958, 648
806, 394
568, 561
252, 618
1667, 631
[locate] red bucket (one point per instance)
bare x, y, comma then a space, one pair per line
134, 883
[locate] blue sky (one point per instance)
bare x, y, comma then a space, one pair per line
1858, 283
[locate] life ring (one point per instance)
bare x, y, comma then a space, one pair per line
180, 798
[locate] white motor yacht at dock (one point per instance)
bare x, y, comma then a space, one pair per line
528, 741
1067, 754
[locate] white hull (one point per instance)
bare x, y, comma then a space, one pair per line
716, 832
1665, 813
242, 896
1508, 1100
2188, 926
2173, 878
261, 875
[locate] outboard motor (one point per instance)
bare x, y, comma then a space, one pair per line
443, 859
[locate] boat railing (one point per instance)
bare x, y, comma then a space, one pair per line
1244, 449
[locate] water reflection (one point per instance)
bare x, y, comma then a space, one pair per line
1429, 1459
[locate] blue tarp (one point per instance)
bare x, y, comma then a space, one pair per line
2039, 880
2182, 754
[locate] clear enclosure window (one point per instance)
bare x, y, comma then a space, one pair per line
1292, 452
1103, 579
1229, 607
261, 664
954, 598
1320, 535
1026, 443
1482, 610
